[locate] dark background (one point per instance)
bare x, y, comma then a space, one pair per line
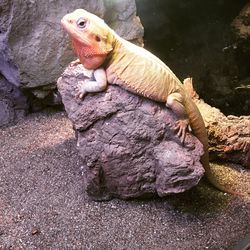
195, 38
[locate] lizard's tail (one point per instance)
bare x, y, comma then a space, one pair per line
199, 130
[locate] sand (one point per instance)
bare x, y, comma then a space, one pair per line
43, 204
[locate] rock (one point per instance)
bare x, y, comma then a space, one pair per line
127, 145
124, 20
13, 104
121, 10
7, 67
36, 37
241, 23
129, 29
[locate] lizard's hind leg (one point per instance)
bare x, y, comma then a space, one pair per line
175, 103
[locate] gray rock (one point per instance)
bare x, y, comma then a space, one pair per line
13, 104
7, 67
41, 48
130, 29
127, 143
122, 10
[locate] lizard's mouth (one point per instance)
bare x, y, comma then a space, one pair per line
66, 23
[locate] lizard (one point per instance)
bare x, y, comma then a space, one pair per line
93, 81
137, 70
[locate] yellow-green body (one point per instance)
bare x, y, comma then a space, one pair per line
139, 71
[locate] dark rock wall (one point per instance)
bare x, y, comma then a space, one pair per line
195, 38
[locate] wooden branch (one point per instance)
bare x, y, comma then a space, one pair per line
229, 136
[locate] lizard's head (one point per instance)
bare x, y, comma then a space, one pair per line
91, 38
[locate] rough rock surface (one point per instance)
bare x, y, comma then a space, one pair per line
13, 104
229, 136
41, 49
37, 39
127, 144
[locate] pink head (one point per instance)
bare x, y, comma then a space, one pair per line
91, 38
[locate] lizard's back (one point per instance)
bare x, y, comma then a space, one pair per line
139, 71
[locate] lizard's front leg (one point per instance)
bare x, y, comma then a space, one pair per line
175, 102
99, 83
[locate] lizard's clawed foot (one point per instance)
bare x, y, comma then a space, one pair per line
80, 91
80, 94
181, 129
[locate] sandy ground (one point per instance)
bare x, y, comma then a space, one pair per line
43, 204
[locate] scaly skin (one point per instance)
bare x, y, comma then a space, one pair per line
136, 70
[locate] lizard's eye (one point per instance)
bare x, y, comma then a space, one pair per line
81, 23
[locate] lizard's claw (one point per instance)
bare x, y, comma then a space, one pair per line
80, 94
80, 91
181, 128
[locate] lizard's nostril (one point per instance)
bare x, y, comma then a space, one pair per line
97, 38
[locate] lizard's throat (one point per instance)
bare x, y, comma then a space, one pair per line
91, 58
86, 51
